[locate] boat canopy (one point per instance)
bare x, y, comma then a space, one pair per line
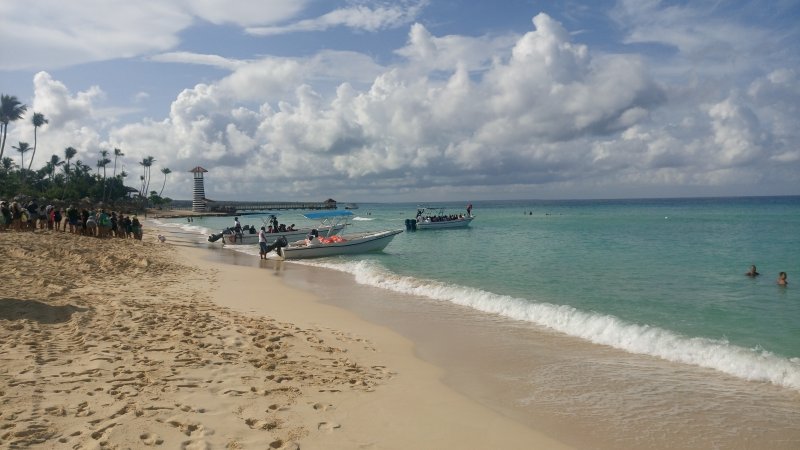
327, 214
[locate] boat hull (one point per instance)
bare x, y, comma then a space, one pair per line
458, 223
352, 245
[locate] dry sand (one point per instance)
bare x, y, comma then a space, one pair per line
126, 344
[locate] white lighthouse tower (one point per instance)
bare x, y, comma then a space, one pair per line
199, 193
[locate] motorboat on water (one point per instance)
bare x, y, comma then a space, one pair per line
249, 234
320, 245
439, 218
351, 206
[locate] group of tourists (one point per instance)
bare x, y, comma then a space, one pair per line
439, 218
95, 222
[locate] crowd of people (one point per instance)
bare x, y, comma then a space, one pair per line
96, 222
439, 218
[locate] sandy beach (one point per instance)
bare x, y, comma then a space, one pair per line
127, 344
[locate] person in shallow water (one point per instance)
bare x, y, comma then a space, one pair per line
752, 271
782, 279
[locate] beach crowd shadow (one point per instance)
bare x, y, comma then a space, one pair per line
19, 309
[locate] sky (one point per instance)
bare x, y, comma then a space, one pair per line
416, 100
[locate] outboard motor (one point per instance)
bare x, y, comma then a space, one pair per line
215, 237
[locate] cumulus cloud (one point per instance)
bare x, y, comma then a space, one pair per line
488, 116
274, 79
63, 108
455, 116
426, 52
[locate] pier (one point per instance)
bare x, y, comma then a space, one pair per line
182, 208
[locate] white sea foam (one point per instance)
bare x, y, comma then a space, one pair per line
750, 364
188, 227
363, 218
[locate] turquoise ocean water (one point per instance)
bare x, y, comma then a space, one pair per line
662, 277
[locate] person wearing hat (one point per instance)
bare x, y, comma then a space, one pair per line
73, 217
262, 243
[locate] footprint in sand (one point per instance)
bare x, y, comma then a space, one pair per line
257, 424
151, 439
328, 426
187, 428
323, 407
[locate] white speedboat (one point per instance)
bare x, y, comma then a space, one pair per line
249, 235
438, 218
316, 246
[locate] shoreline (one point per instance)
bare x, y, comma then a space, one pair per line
587, 395
115, 342
183, 353
412, 409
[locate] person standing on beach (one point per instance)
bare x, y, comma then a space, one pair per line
237, 230
57, 218
127, 227
136, 228
262, 243
782, 279
5, 215
72, 218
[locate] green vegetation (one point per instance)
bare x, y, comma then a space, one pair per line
68, 179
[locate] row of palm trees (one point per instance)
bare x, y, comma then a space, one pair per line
76, 181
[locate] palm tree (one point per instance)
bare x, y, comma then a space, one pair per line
22, 148
81, 169
103, 162
11, 110
54, 162
69, 153
117, 153
166, 172
6, 164
146, 164
38, 120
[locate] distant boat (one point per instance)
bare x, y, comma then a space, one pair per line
438, 218
351, 206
